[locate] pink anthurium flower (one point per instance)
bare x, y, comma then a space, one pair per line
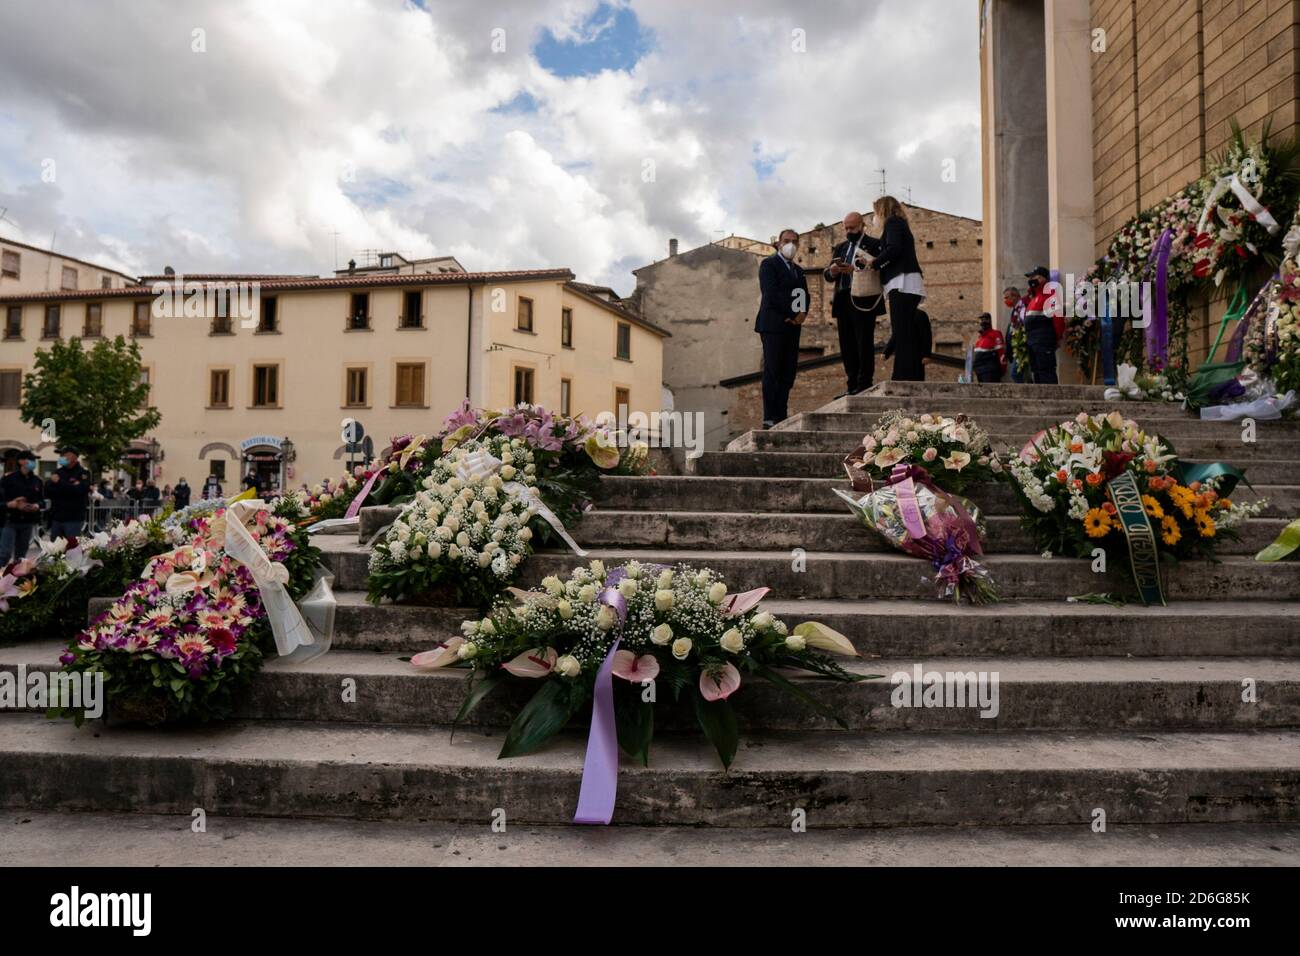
740, 603
721, 684
537, 662
440, 656
635, 669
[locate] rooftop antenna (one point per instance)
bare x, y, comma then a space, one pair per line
907, 192
336, 250
881, 184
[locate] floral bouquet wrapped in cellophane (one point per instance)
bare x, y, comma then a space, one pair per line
922, 520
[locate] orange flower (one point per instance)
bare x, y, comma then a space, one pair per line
1095, 479
1151, 466
1061, 475
1076, 447
1225, 502
1195, 486
1077, 485
1107, 507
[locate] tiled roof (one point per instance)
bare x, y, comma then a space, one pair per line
227, 277
314, 283
64, 255
581, 288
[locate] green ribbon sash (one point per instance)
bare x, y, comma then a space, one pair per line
1287, 542
1143, 558
1203, 471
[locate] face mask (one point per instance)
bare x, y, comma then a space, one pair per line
854, 236
62, 461
788, 250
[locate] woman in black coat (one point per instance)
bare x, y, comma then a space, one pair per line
901, 278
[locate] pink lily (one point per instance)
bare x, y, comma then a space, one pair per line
537, 662
440, 656
7, 590
721, 684
635, 669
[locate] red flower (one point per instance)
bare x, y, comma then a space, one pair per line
1116, 462
1202, 268
1203, 240
1240, 251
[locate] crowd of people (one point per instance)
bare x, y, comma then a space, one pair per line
898, 286
69, 503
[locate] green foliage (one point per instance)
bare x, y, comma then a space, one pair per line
95, 397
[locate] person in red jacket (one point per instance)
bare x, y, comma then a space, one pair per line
990, 352
1040, 328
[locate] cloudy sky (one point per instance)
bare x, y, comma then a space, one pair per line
239, 135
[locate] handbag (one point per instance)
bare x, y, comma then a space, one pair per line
866, 284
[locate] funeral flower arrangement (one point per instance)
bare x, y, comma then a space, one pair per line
1221, 231
190, 633
955, 452
569, 454
464, 534
1061, 478
47, 595
676, 629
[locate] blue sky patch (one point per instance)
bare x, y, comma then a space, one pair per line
612, 38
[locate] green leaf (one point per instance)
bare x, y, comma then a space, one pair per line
634, 719
1286, 542
718, 721
540, 720
478, 689
795, 690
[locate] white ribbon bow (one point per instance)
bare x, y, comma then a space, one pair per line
481, 464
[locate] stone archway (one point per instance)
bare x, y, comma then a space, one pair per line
217, 446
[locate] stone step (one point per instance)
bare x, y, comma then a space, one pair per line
985, 390
1231, 449
1031, 694
138, 839
826, 574
309, 769
914, 629
1019, 577
785, 464
1024, 425
602, 528
802, 495
917, 628
977, 408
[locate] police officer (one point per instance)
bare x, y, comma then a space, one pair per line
68, 490
990, 352
181, 494
22, 494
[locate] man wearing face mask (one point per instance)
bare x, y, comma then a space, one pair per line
21, 493
68, 490
854, 318
1040, 330
782, 310
990, 352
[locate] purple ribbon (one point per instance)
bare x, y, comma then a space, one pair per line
918, 475
910, 511
355, 506
599, 788
1157, 330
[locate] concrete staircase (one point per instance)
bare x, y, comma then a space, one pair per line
1135, 711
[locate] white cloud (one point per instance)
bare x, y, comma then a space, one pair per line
381, 121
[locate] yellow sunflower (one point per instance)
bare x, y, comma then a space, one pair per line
1183, 499
1205, 525
1169, 531
1153, 507
1097, 523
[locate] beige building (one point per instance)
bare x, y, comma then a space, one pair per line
25, 268
1094, 110
292, 357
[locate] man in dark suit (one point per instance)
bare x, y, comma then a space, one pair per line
854, 318
781, 314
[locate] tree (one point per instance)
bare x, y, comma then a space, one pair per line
95, 398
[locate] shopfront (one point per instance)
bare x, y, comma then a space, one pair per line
269, 458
